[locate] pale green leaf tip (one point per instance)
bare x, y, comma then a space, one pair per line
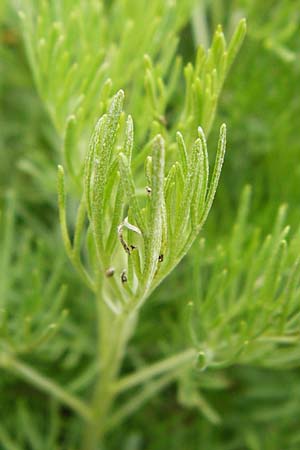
201, 133
60, 169
99, 122
241, 29
243, 23
158, 140
117, 103
120, 94
223, 129
147, 59
71, 118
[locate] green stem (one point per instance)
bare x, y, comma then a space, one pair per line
166, 365
147, 392
43, 383
114, 333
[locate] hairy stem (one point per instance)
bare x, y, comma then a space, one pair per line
146, 393
114, 333
156, 369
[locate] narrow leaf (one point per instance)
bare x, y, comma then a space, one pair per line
236, 42
216, 173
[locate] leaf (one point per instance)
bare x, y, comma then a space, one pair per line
62, 209
154, 235
236, 41
216, 173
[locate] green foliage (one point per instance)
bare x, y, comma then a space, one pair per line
120, 326
245, 313
90, 52
174, 204
91, 42
274, 24
26, 327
